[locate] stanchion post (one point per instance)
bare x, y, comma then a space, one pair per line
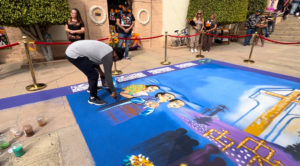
249, 60
165, 62
115, 71
35, 86
200, 45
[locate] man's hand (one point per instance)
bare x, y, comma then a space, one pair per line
127, 30
114, 95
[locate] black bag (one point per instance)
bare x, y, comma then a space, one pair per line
192, 23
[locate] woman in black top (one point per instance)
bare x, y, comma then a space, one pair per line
75, 26
210, 27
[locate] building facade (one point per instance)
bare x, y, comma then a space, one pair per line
153, 17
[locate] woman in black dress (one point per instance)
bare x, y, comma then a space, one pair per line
75, 26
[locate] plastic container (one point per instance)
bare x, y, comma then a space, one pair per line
18, 149
41, 120
28, 130
16, 132
3, 142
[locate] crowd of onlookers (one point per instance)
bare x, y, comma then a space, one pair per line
260, 24
287, 7
121, 21
264, 25
197, 24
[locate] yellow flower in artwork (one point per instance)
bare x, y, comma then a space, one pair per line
140, 160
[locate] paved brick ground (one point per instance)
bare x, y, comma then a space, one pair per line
60, 142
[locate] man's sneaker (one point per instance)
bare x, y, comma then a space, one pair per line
96, 101
98, 88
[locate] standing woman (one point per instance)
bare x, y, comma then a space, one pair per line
75, 26
196, 27
210, 26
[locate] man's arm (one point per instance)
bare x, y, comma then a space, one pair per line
119, 25
107, 64
132, 25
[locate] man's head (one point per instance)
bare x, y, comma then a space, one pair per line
125, 6
152, 104
164, 97
258, 12
118, 53
213, 16
175, 103
151, 88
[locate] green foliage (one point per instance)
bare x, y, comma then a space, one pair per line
28, 12
228, 11
253, 5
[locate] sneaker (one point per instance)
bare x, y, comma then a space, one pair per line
96, 101
192, 50
195, 50
127, 58
98, 88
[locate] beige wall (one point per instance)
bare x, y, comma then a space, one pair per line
174, 15
154, 26
15, 53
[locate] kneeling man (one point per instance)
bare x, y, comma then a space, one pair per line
87, 55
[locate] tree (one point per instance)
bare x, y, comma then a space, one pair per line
228, 11
33, 17
253, 5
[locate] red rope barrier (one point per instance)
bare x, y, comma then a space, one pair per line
141, 38
227, 36
10, 45
103, 39
277, 42
184, 36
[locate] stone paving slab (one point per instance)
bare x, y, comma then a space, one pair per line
40, 151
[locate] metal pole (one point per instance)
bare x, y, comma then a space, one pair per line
200, 49
165, 62
35, 86
115, 71
249, 60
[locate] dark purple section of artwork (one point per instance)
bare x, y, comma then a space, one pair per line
33, 97
201, 157
242, 154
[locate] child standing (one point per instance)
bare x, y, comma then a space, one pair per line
261, 29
